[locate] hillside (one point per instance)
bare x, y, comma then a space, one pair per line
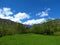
7, 22
8, 27
49, 27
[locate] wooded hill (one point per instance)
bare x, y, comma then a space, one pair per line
8, 27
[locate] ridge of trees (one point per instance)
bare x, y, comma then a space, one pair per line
8, 27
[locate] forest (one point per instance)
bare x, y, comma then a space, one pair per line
8, 27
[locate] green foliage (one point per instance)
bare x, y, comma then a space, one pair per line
47, 28
57, 33
21, 28
8, 27
37, 28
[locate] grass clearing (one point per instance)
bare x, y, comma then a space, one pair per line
30, 39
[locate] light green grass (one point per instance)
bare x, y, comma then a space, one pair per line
30, 39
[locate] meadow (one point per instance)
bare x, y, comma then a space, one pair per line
30, 39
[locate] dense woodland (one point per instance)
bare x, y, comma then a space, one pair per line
8, 27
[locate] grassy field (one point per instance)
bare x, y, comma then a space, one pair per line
30, 39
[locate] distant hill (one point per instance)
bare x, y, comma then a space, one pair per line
8, 27
49, 27
7, 22
56, 21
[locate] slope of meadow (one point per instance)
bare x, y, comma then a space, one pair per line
30, 39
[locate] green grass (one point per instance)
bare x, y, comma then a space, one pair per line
30, 39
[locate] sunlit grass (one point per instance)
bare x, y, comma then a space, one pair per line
30, 39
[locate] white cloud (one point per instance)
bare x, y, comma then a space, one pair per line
6, 13
21, 15
48, 9
51, 18
44, 13
33, 21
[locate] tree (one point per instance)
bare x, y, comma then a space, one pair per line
21, 28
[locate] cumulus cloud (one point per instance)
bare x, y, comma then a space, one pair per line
20, 16
5, 13
43, 13
33, 21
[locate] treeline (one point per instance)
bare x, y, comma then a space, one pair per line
8, 27
47, 28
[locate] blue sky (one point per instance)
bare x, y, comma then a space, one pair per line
29, 11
